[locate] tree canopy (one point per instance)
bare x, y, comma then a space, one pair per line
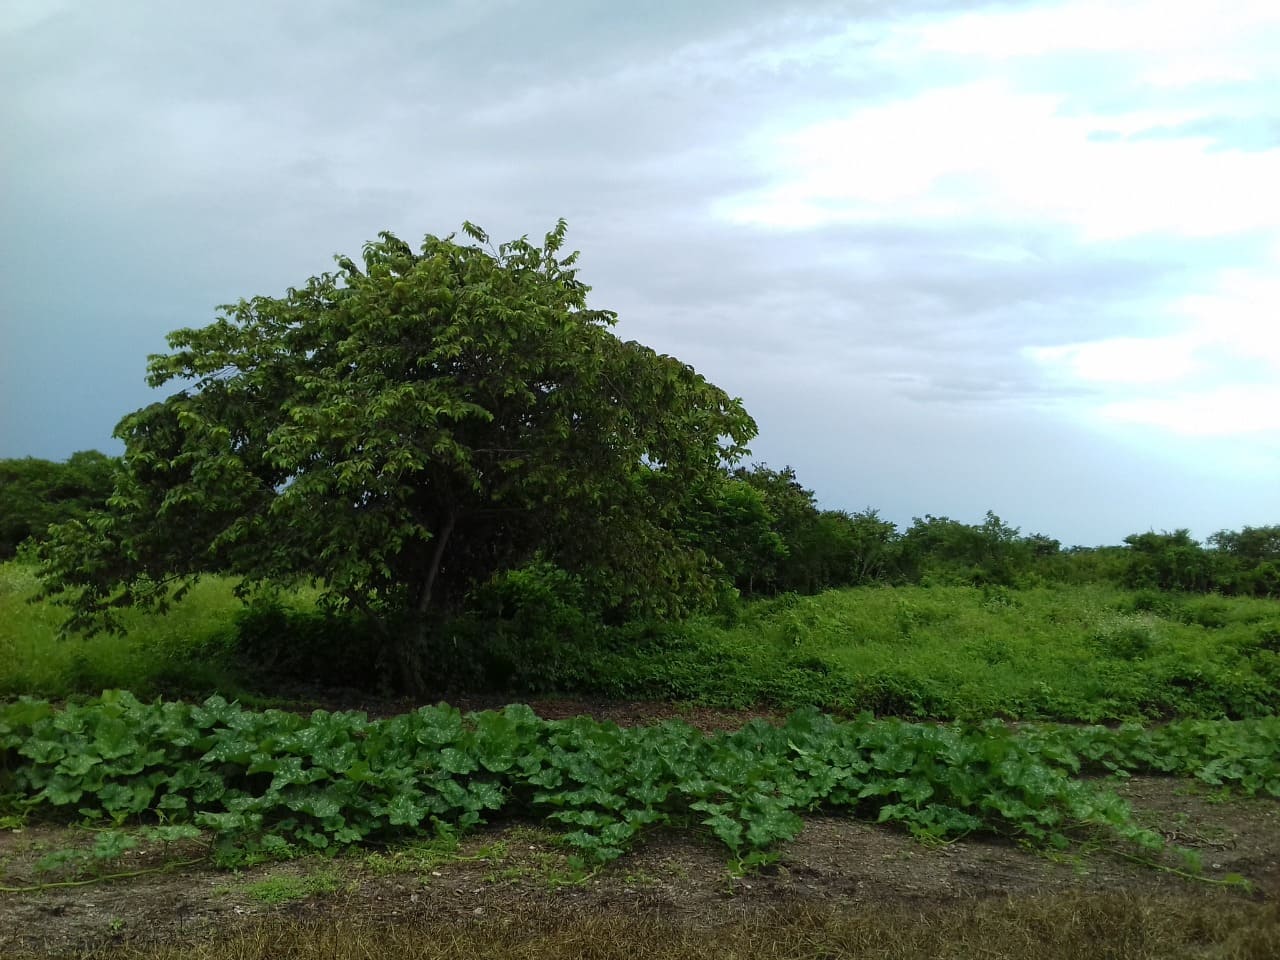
400, 430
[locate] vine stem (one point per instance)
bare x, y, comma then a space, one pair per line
1187, 875
164, 868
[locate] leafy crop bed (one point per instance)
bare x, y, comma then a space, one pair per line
273, 781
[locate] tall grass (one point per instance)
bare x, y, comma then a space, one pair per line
1087, 653
1076, 653
187, 651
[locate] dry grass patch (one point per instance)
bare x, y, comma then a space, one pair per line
1119, 926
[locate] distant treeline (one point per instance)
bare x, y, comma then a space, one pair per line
764, 529
35, 493
767, 530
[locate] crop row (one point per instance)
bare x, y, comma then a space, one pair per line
334, 779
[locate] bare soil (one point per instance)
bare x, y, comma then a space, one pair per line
506, 875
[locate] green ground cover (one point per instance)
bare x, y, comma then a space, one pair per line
1073, 653
279, 782
1081, 653
242, 785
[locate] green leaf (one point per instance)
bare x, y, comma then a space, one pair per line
406, 809
726, 828
77, 765
455, 761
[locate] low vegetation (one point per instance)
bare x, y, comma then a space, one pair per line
1086, 653
280, 782
182, 652
1080, 654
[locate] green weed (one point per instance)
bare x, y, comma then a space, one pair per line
274, 891
414, 856
1081, 653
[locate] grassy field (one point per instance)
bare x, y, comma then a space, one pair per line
1079, 653
1085, 653
1132, 883
187, 651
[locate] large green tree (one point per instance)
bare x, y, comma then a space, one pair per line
399, 431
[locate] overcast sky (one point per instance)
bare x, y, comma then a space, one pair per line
953, 256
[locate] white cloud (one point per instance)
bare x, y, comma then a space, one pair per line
1021, 133
1150, 27
20, 15
1242, 316
1217, 376
1222, 411
984, 152
1122, 360
1001, 139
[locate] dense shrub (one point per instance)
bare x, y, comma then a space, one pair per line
283, 647
528, 630
1169, 561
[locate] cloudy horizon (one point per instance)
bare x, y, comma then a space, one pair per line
953, 256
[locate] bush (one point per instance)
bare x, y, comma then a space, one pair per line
284, 646
528, 630
1269, 638
1262, 580
1169, 561
1210, 612
1126, 638
1158, 602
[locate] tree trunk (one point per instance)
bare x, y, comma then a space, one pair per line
409, 658
410, 642
433, 568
